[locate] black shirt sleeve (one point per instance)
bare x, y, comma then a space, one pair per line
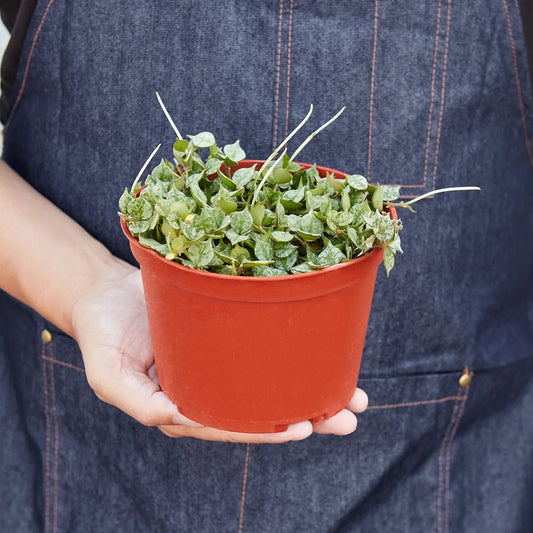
16, 16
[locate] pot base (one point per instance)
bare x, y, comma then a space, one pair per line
254, 426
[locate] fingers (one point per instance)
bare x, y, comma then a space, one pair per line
297, 431
342, 423
141, 398
359, 401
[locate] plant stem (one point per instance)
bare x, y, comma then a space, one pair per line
431, 193
144, 166
310, 138
266, 176
276, 151
169, 118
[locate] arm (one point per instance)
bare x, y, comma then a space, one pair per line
53, 265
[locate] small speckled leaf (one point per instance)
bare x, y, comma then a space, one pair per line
212, 165
154, 245
140, 208
390, 192
243, 176
388, 259
234, 152
264, 250
282, 236
357, 182
199, 196
201, 253
242, 221
205, 139
330, 256
235, 237
311, 225
124, 201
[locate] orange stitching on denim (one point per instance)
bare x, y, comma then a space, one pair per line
58, 362
47, 450
448, 463
24, 78
441, 111
447, 434
244, 479
432, 95
372, 79
289, 47
278, 72
410, 404
517, 78
56, 444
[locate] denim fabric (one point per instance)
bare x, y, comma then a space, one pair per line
437, 95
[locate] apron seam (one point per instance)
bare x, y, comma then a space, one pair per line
432, 96
47, 447
243, 492
448, 463
289, 49
517, 81
278, 75
372, 83
443, 90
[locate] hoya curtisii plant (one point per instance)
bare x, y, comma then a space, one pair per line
270, 219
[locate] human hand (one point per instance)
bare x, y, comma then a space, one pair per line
111, 327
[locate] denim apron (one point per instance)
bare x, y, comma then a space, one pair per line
438, 95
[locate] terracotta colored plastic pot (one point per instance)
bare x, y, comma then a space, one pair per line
254, 354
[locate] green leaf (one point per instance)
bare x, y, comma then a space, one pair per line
201, 253
359, 211
281, 175
294, 195
163, 172
282, 236
211, 219
377, 198
390, 192
242, 176
395, 244
382, 226
281, 218
212, 165
258, 213
154, 245
330, 256
288, 261
124, 201
181, 145
205, 139
345, 201
191, 231
234, 152
199, 196
284, 249
336, 219
268, 271
140, 208
357, 182
242, 221
311, 225
388, 259
235, 237
301, 269
264, 251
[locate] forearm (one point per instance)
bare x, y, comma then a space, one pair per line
48, 260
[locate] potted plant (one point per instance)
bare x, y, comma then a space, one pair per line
258, 278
